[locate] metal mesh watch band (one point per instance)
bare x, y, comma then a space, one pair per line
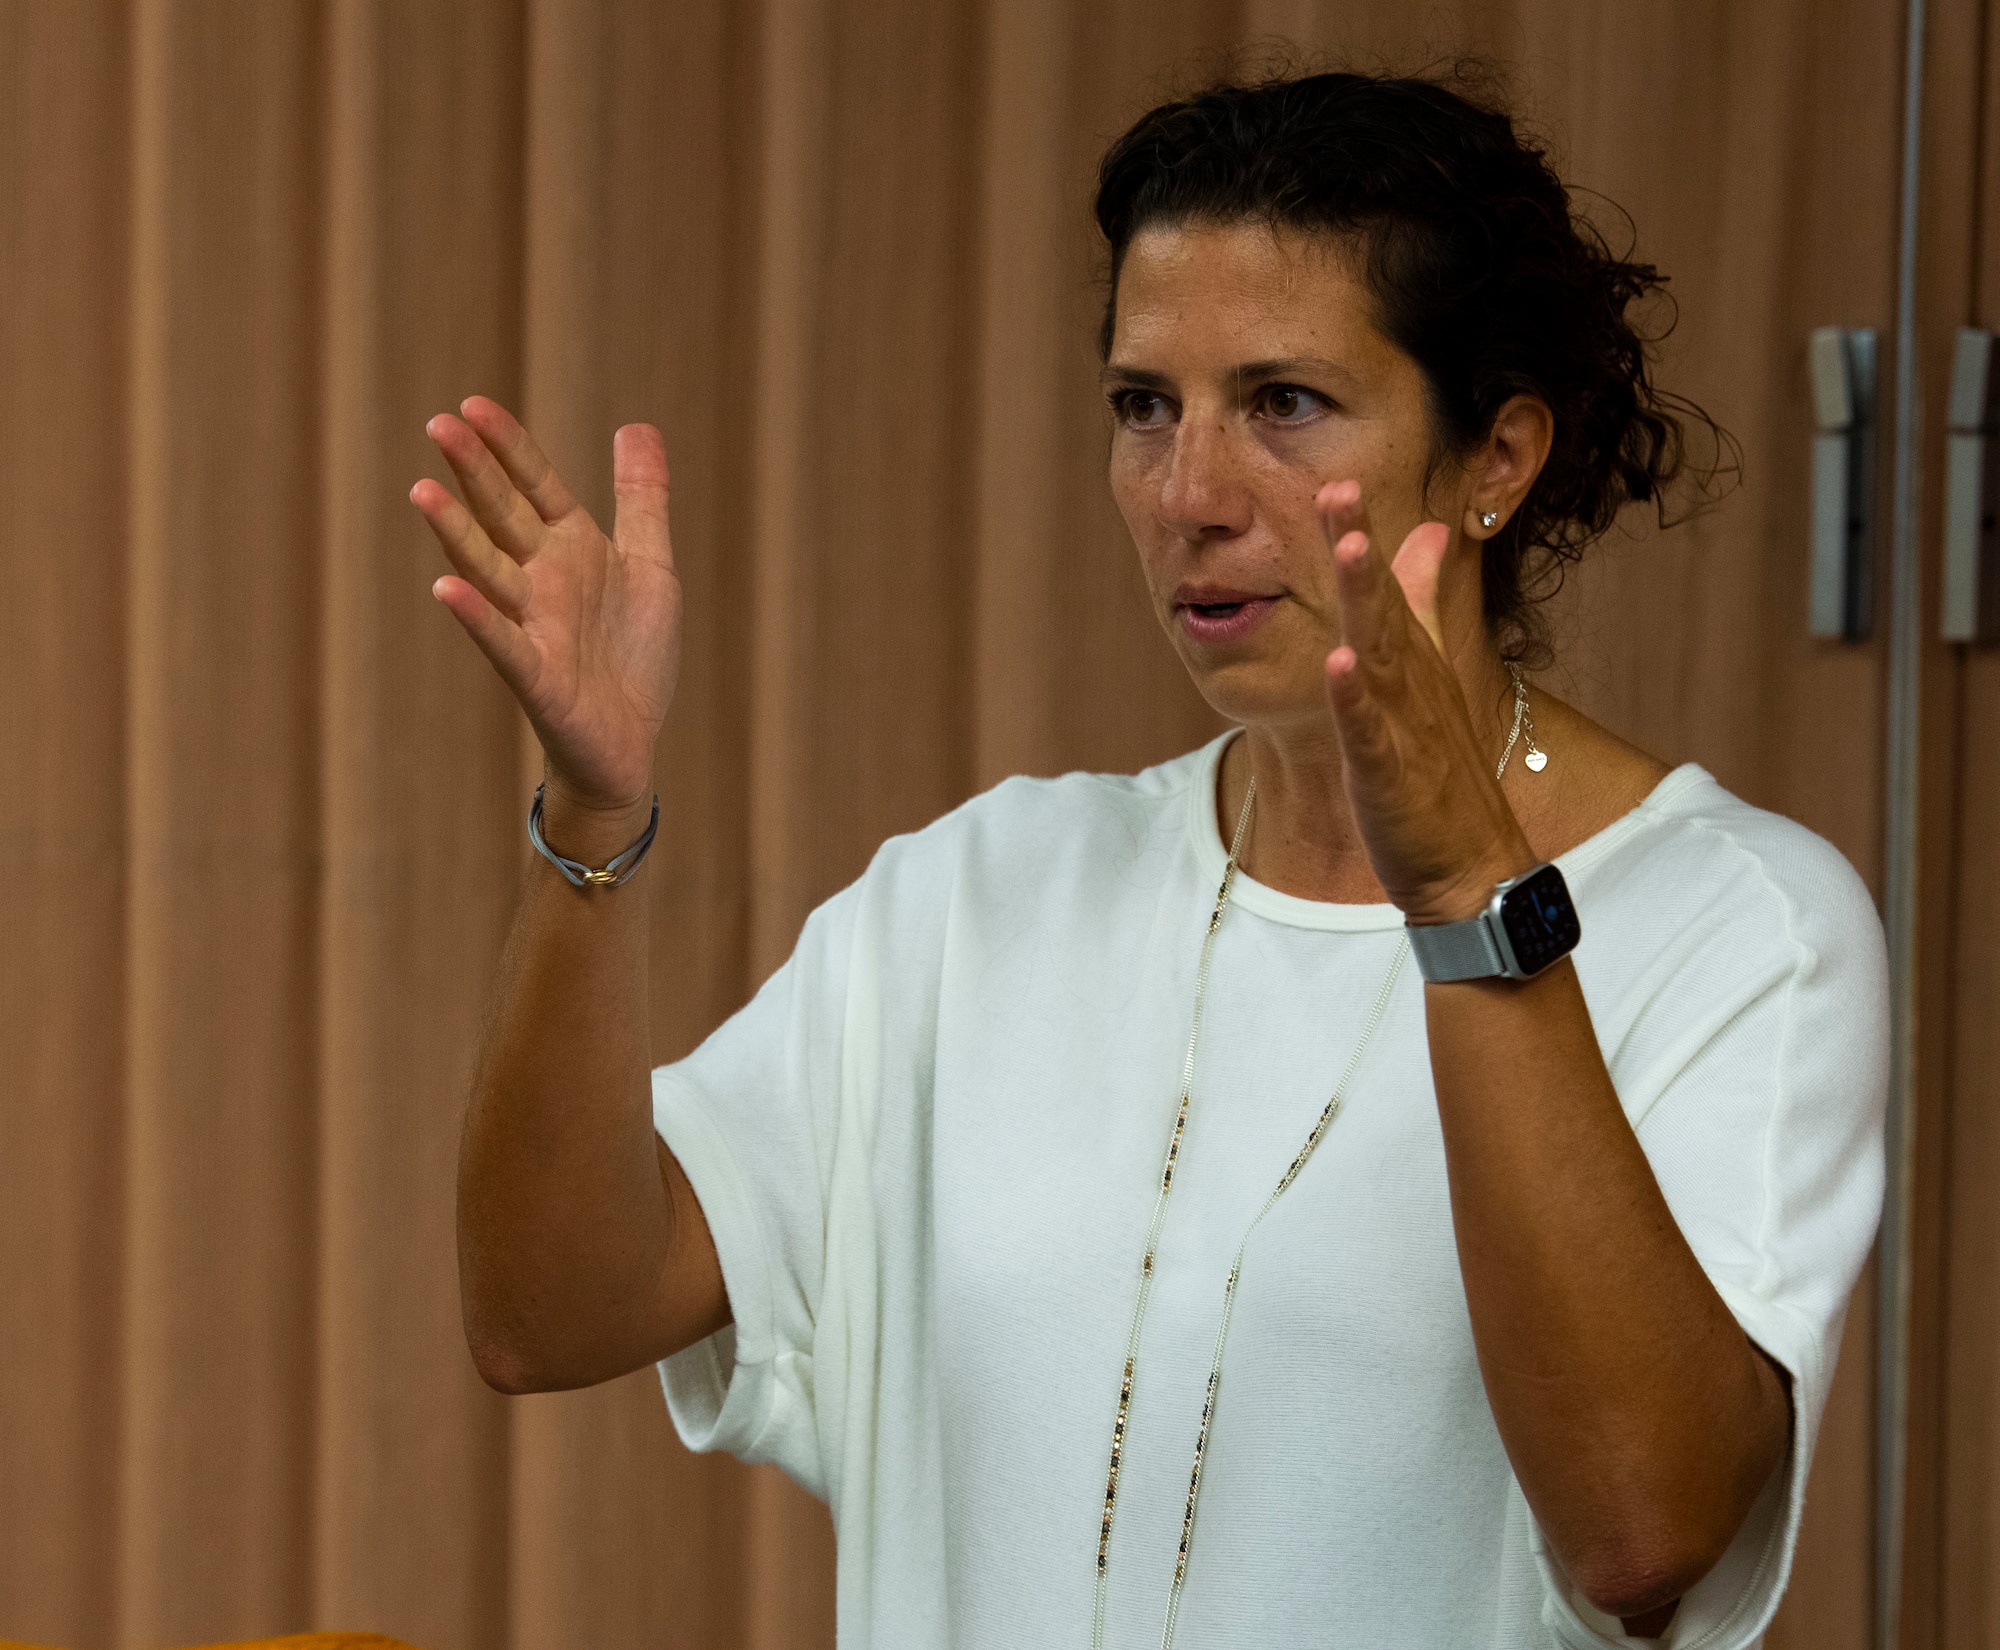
1450, 951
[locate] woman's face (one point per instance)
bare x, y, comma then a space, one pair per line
1246, 372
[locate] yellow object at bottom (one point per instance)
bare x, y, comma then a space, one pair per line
298, 1641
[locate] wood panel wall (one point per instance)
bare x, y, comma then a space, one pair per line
1954, 1552
263, 808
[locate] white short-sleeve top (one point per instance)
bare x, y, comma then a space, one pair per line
928, 1151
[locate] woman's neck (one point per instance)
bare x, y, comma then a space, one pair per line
1302, 838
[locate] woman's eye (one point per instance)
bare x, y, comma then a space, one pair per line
1289, 404
1142, 409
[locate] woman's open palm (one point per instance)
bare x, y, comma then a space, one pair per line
585, 629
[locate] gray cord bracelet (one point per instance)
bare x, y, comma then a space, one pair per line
581, 875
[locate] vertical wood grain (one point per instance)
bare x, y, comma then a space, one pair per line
1031, 248
1946, 207
793, 41
222, 797
64, 159
421, 845
884, 464
1962, 801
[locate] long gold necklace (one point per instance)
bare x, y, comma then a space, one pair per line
1285, 1180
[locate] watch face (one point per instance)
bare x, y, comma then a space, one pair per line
1541, 923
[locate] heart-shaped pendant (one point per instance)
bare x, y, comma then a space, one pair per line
1537, 760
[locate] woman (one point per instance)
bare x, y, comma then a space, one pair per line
1099, 1209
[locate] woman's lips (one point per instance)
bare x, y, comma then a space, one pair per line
1224, 621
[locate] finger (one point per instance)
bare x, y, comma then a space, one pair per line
1343, 517
496, 577
639, 483
1375, 607
527, 466
504, 643
509, 519
1364, 727
1373, 613
1342, 510
1417, 568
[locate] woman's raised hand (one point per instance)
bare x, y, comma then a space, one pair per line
1438, 827
586, 630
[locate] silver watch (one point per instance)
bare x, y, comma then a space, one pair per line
1528, 924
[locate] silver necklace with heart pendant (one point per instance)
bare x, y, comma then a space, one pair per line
1524, 728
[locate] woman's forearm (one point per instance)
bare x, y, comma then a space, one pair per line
582, 1251
1639, 1418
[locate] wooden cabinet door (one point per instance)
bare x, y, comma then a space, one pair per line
1951, 1558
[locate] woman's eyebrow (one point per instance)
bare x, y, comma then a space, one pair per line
1290, 366
1132, 377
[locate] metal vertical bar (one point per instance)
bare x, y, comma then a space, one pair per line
1899, 887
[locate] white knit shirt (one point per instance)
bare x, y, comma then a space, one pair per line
928, 1152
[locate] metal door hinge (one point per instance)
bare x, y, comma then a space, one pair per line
1970, 607
1843, 482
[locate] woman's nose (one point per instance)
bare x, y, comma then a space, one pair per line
1205, 493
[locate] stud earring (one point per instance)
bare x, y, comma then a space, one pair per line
1487, 518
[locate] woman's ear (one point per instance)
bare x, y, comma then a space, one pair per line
1515, 452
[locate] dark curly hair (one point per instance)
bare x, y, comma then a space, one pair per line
1481, 272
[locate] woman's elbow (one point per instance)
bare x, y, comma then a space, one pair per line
509, 1354
1637, 1589
1636, 1575
1651, 1548
504, 1367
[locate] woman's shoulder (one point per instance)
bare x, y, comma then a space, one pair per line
1694, 854
1060, 827
1644, 833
